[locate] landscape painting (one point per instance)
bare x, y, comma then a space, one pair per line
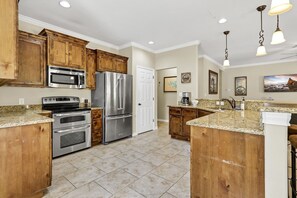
280, 83
170, 84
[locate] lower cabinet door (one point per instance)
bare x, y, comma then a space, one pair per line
175, 125
186, 128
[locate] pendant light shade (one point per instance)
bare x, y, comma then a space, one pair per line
261, 51
279, 7
226, 61
278, 35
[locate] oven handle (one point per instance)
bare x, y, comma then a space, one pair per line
72, 129
71, 114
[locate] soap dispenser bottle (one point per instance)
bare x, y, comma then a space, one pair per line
242, 105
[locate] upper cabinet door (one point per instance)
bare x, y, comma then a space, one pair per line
8, 39
121, 65
77, 56
105, 63
57, 52
31, 60
64, 50
111, 62
91, 68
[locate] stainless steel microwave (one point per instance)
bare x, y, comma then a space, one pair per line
61, 77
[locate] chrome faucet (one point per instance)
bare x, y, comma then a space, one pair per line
232, 102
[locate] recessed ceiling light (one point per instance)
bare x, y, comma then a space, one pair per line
65, 4
151, 42
222, 20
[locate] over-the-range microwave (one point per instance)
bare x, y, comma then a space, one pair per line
61, 77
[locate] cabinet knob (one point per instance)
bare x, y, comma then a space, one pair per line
139, 104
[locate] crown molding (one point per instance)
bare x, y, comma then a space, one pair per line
65, 31
213, 61
259, 64
133, 44
197, 42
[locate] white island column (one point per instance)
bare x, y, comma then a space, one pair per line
276, 153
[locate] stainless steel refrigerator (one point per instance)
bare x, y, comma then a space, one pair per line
114, 93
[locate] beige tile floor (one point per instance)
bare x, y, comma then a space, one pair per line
148, 165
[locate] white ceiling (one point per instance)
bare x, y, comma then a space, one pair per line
173, 22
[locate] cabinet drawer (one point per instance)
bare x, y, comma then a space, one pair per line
189, 112
174, 111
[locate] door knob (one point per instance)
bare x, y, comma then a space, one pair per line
139, 104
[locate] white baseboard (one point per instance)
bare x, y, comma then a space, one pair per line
161, 120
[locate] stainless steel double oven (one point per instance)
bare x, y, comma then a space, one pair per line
71, 126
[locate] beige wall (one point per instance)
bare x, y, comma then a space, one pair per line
11, 95
165, 98
255, 74
138, 57
185, 60
204, 66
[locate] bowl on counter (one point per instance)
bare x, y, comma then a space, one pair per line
194, 102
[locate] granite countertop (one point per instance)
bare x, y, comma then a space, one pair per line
194, 107
279, 109
238, 121
21, 118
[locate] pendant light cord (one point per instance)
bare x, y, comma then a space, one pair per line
226, 50
261, 33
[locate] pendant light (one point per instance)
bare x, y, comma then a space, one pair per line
226, 61
279, 7
261, 51
278, 35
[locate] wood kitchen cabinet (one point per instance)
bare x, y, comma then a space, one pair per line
111, 62
187, 115
91, 68
179, 116
31, 61
97, 124
8, 40
226, 164
26, 160
64, 50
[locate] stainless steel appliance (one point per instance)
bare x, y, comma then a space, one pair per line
71, 126
114, 93
66, 78
186, 98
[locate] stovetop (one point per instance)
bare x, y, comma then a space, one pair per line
59, 104
62, 110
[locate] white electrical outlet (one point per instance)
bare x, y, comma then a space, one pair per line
222, 103
21, 101
217, 102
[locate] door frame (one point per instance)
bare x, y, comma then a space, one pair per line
154, 96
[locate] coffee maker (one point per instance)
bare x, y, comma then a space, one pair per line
186, 98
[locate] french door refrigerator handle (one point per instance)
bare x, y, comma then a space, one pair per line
118, 117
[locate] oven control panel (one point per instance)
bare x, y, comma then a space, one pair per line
60, 99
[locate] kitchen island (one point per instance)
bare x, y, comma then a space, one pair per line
240, 154
25, 153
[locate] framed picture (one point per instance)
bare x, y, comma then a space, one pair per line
280, 83
186, 77
240, 86
213, 81
170, 84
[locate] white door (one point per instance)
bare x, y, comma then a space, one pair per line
145, 100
